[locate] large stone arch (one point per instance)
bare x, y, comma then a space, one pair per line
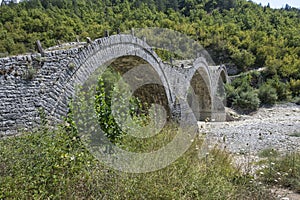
111, 51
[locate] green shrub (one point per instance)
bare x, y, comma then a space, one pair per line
42, 165
103, 105
267, 94
29, 73
295, 87
104, 112
282, 89
231, 94
247, 101
241, 95
297, 100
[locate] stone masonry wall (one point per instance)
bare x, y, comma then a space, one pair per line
44, 83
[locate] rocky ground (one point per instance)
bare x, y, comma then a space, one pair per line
275, 128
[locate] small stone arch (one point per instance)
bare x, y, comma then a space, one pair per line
200, 83
223, 75
219, 93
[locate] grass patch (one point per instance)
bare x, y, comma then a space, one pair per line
56, 165
268, 153
296, 100
297, 134
282, 171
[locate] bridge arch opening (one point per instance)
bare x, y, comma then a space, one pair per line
199, 96
222, 80
219, 95
220, 90
144, 81
223, 77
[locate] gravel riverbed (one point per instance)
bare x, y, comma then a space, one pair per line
277, 128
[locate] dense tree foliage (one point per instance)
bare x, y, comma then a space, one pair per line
235, 32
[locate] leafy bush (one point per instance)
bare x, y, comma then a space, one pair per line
241, 95
231, 94
104, 112
297, 100
267, 94
295, 87
282, 89
104, 97
247, 100
244, 59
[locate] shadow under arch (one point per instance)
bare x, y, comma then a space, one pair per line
219, 93
200, 95
223, 75
143, 79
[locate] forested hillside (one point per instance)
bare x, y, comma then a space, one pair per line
235, 32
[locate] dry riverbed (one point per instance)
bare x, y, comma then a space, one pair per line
275, 128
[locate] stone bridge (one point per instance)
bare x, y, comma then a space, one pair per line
47, 81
